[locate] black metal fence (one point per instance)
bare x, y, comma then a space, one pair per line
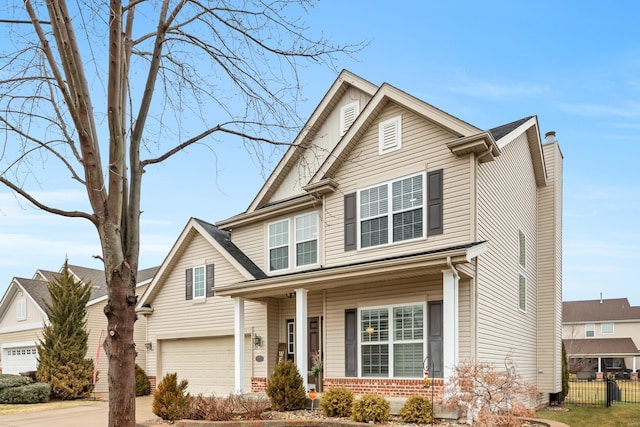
603, 393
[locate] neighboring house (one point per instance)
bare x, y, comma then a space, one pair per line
390, 231
22, 317
601, 336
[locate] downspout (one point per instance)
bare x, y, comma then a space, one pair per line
452, 268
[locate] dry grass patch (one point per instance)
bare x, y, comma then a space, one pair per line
58, 404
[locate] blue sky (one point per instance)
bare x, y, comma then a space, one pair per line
576, 65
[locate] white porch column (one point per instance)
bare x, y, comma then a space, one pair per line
238, 340
634, 363
450, 321
302, 352
599, 364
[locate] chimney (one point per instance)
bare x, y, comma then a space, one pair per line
550, 137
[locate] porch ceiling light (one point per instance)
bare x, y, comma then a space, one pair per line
369, 330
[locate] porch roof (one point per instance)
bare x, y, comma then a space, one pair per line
373, 271
601, 347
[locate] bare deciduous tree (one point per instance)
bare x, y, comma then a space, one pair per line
106, 89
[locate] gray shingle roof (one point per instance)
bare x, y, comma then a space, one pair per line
600, 346
224, 239
599, 310
501, 131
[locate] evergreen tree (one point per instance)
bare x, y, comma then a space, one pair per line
64, 342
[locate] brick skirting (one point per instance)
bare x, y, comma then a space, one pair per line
390, 387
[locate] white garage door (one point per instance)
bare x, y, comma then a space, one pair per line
207, 363
19, 359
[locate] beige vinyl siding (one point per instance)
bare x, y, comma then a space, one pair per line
322, 144
549, 293
423, 150
174, 317
507, 199
10, 321
252, 240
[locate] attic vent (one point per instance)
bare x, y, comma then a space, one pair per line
348, 114
390, 135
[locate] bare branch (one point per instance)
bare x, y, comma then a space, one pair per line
201, 136
30, 198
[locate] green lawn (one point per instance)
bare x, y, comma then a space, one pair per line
596, 416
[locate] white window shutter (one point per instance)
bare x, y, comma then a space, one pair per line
348, 114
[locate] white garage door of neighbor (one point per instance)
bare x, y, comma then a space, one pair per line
19, 359
207, 363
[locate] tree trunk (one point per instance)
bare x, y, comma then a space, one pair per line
119, 346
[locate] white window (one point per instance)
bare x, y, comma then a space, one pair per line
522, 292
522, 246
291, 338
22, 309
390, 135
606, 328
384, 219
199, 282
392, 341
348, 115
279, 245
590, 330
306, 239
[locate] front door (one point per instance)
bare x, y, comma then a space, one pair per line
313, 345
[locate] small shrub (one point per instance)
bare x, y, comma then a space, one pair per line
143, 385
211, 408
73, 380
371, 408
285, 388
417, 410
171, 401
337, 402
251, 407
8, 381
30, 393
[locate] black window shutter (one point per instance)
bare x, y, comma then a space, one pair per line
434, 202
189, 284
350, 229
350, 342
210, 282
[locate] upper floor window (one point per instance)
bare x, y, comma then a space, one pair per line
348, 115
522, 249
21, 309
304, 244
306, 239
392, 212
606, 328
199, 282
279, 245
590, 330
390, 135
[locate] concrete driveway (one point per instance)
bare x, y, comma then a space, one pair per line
95, 414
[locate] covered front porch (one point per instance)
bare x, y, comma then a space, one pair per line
378, 326
594, 358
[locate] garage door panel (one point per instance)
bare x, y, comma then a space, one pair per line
19, 359
207, 363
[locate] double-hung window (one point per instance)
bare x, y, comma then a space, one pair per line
522, 278
392, 341
300, 242
306, 239
279, 245
198, 282
392, 212
606, 328
590, 330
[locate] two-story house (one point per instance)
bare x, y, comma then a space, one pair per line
22, 315
601, 336
391, 239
